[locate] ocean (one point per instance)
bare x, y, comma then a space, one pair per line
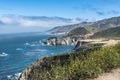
18, 51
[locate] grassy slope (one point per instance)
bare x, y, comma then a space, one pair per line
80, 65
91, 29
79, 31
111, 32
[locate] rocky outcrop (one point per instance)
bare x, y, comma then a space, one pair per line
66, 40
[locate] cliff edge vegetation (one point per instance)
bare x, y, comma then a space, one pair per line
80, 65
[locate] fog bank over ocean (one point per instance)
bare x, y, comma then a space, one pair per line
17, 24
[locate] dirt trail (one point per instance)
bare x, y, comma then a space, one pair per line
114, 75
111, 42
106, 42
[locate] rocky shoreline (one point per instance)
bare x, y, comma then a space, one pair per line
65, 40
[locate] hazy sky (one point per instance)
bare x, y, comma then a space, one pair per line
84, 9
88, 9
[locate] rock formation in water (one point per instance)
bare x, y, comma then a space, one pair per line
66, 40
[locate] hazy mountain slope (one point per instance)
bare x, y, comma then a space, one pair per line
98, 25
107, 23
111, 32
67, 28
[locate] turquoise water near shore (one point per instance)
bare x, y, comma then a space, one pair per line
22, 50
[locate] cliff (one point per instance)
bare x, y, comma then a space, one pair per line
81, 65
65, 40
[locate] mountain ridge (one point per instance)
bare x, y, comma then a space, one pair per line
107, 23
67, 28
99, 25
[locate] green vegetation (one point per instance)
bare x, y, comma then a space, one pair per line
111, 32
91, 29
78, 31
80, 65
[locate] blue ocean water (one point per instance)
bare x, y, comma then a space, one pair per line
18, 51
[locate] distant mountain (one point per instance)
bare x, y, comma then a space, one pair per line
78, 31
106, 23
67, 28
111, 32
98, 25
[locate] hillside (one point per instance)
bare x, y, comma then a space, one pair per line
80, 65
97, 25
78, 31
106, 23
111, 32
67, 28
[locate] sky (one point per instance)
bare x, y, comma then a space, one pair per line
88, 9
84, 9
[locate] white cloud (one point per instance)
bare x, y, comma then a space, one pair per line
6, 20
29, 24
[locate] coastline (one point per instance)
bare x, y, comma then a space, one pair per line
23, 55
83, 46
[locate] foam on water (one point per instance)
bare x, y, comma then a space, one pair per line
27, 44
38, 50
14, 77
3, 54
42, 44
32, 45
19, 49
35, 51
